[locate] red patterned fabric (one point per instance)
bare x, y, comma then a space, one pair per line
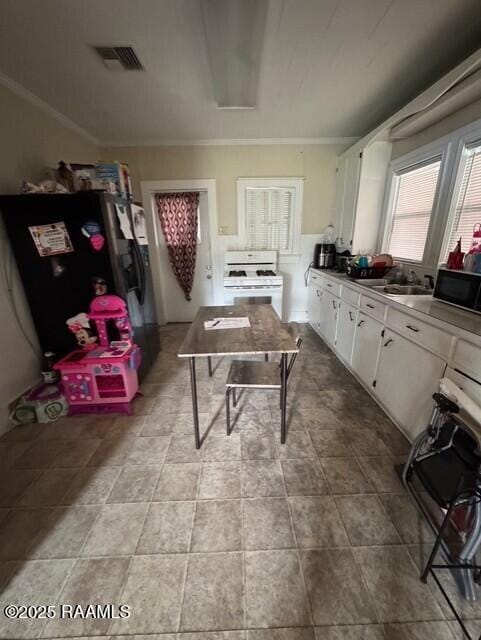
178, 219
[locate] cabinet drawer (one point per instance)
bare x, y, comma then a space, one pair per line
316, 279
467, 358
350, 296
332, 287
424, 334
373, 307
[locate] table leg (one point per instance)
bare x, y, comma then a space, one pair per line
209, 366
283, 396
195, 408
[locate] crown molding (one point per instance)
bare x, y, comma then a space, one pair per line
30, 97
33, 99
233, 142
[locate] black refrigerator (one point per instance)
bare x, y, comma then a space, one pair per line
60, 271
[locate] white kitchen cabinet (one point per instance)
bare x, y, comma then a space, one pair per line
367, 340
347, 182
467, 358
329, 309
360, 184
314, 295
346, 325
406, 378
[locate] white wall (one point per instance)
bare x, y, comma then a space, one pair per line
31, 140
315, 163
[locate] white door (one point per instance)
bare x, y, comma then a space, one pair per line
367, 340
177, 308
346, 325
406, 378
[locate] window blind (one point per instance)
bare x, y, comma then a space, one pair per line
413, 206
468, 205
269, 218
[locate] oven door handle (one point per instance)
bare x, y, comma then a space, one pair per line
259, 287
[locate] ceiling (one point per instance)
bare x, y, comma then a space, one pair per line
329, 68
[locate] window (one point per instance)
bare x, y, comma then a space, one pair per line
270, 214
269, 218
413, 194
467, 211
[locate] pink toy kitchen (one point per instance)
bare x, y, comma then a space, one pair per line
101, 376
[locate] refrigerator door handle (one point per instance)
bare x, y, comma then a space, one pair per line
140, 268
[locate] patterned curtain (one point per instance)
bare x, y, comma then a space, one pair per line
178, 219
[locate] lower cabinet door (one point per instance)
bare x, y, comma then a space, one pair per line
367, 340
406, 378
314, 306
346, 325
329, 311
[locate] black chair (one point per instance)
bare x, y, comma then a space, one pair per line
445, 463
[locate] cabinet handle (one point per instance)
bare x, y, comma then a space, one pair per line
370, 306
317, 292
360, 323
334, 304
411, 328
329, 285
388, 342
350, 316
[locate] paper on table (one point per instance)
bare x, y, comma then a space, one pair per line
227, 323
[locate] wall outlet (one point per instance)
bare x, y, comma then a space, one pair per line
223, 231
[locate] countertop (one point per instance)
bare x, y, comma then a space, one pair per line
427, 305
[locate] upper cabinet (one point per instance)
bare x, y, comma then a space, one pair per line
347, 182
360, 185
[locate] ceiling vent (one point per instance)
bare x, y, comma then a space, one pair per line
120, 58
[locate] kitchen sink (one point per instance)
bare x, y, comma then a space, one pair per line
402, 290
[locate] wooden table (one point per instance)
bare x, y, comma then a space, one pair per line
266, 335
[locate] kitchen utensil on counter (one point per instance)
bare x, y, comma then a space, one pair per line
476, 240
456, 257
469, 262
356, 272
363, 262
342, 260
324, 256
364, 267
382, 259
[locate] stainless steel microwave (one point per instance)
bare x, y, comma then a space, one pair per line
460, 288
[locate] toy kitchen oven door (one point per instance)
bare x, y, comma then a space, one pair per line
103, 377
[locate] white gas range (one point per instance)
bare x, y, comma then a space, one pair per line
250, 277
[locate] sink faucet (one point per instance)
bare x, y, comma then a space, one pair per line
412, 277
429, 281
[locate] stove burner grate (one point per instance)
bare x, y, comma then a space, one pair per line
265, 272
237, 274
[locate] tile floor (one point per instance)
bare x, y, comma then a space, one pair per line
244, 539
